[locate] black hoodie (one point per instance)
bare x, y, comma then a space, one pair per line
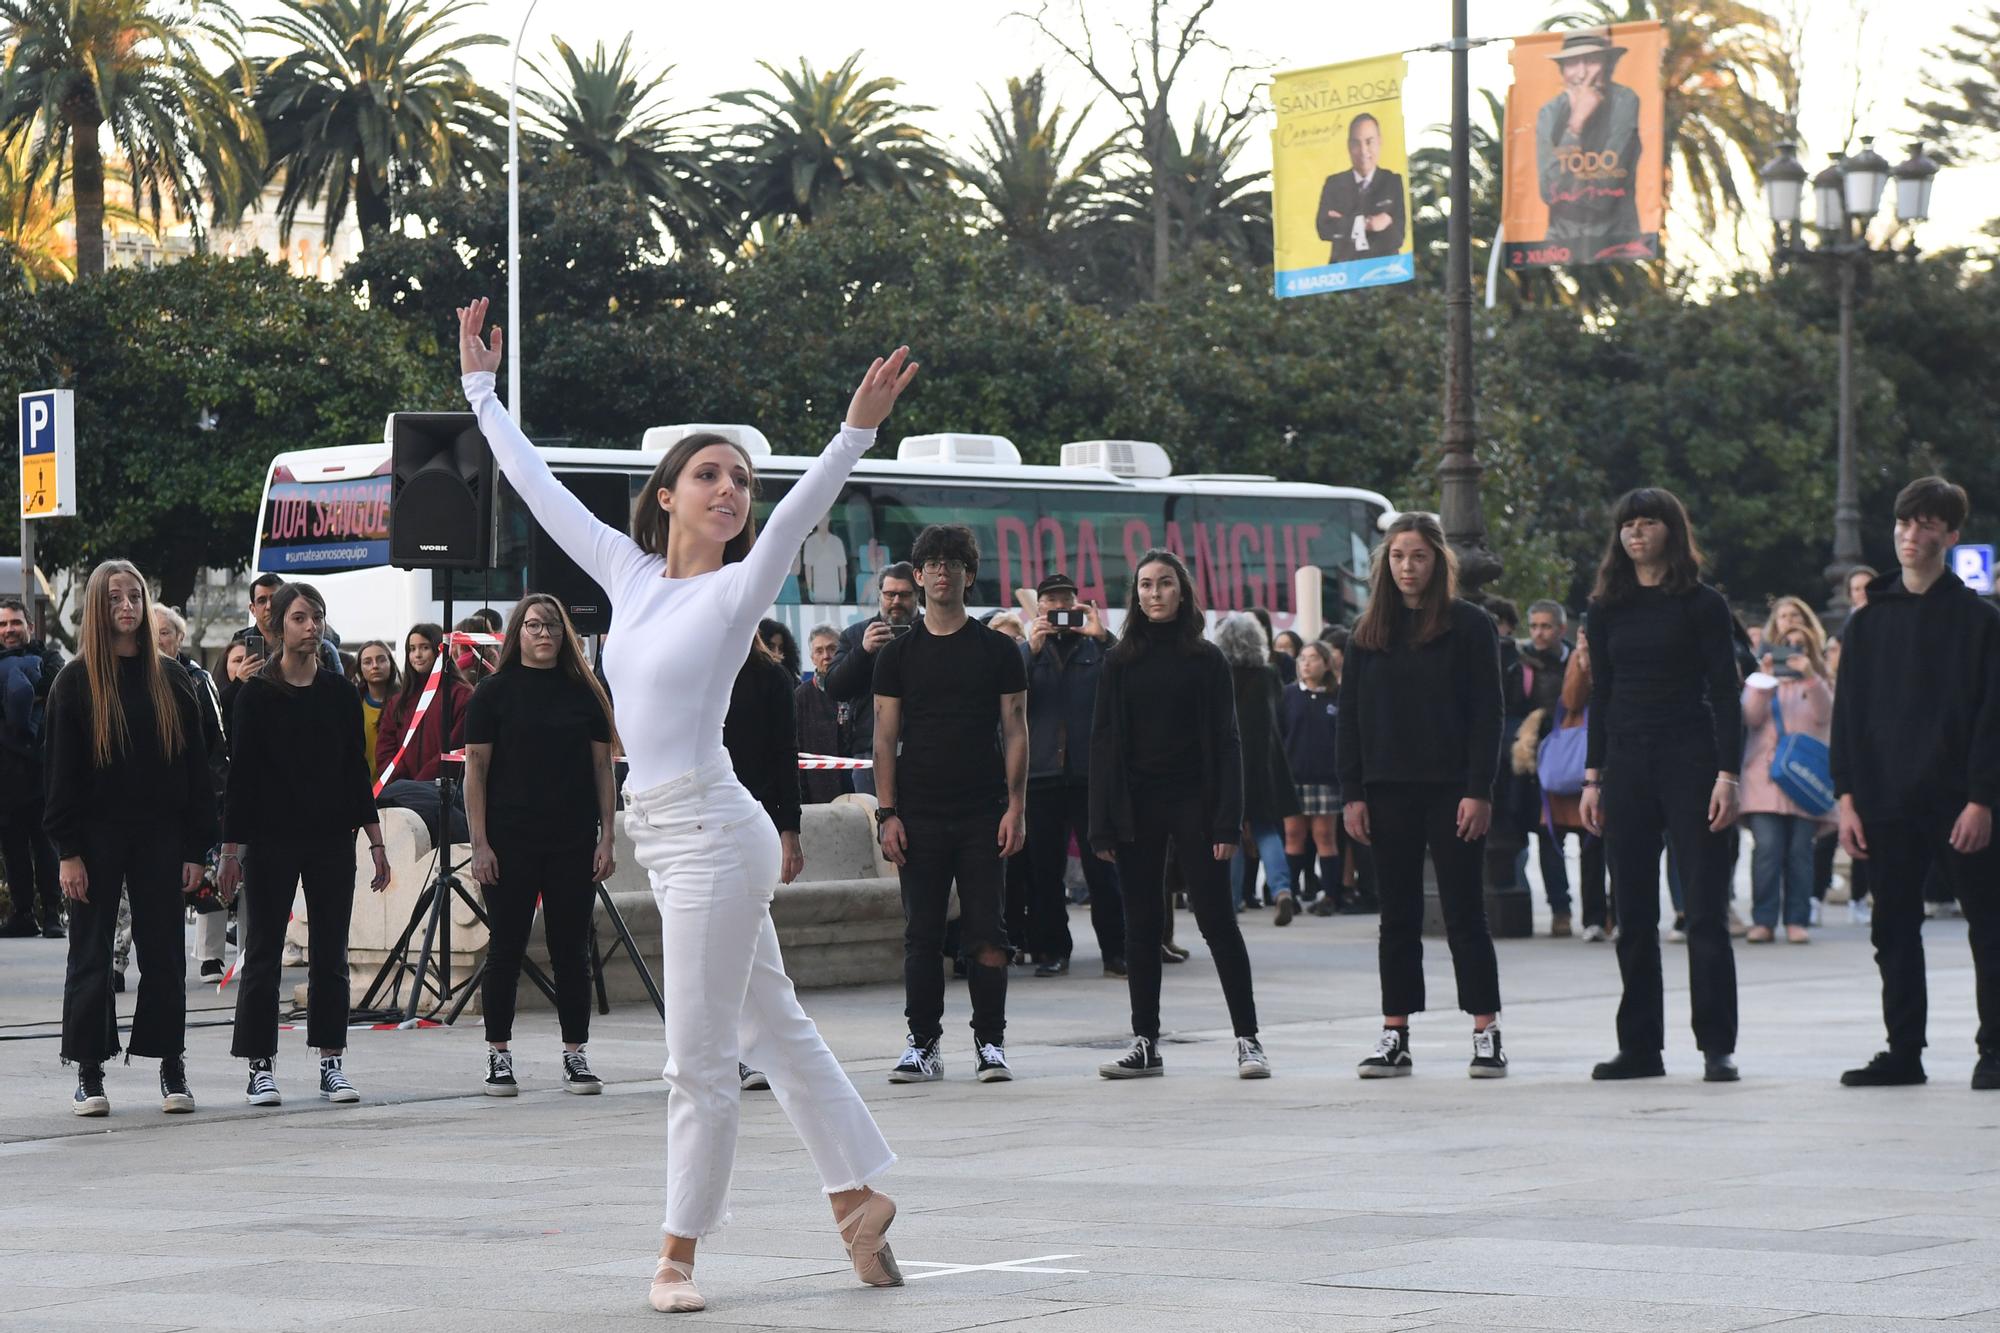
1916, 716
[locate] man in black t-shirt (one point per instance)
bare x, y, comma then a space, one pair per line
949, 695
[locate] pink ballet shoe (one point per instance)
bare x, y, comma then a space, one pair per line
864, 1232
673, 1288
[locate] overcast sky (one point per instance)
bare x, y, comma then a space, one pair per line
1861, 56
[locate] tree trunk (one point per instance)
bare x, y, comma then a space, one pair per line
371, 206
87, 184
1161, 232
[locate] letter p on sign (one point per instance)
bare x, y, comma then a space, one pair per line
48, 453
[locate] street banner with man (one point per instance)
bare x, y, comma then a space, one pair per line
1340, 197
1585, 147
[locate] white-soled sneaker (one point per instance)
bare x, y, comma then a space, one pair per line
993, 1064
333, 1084
1391, 1056
262, 1090
577, 1077
89, 1098
1142, 1061
1488, 1060
751, 1080
920, 1064
176, 1097
1251, 1062
500, 1081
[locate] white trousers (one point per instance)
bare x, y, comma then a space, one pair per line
713, 857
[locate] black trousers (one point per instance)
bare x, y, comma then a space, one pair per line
273, 873
1656, 790
1142, 868
1056, 810
1590, 889
1902, 855
30, 859
1405, 820
939, 851
141, 858
559, 875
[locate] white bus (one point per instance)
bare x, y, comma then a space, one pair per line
325, 517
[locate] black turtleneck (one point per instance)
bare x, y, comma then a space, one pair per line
1162, 696
140, 782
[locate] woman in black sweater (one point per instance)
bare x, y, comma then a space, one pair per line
130, 809
1166, 766
298, 789
1666, 739
539, 794
1419, 745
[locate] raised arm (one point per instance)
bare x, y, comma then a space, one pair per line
778, 544
601, 550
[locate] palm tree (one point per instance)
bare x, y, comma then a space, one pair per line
607, 113
1206, 204
1027, 171
371, 99
1722, 59
33, 209
819, 134
79, 69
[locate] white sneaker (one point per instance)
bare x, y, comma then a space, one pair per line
1251, 1062
1815, 913
1593, 934
1859, 912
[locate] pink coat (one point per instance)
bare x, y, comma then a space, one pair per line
1808, 706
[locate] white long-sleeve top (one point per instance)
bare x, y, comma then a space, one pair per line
676, 644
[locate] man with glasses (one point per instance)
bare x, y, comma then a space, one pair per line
951, 772
850, 681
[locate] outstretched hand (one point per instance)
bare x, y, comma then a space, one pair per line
474, 352
876, 394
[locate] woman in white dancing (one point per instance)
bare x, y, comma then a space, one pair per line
687, 589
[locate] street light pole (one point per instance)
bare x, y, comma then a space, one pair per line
1847, 553
514, 218
1459, 471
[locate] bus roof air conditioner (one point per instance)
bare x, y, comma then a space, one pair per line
1121, 458
966, 450
747, 438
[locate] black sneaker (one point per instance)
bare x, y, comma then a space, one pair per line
1288, 907
20, 928
500, 1081
1488, 1060
993, 1064
1391, 1056
1054, 967
52, 931
920, 1064
751, 1080
1986, 1074
262, 1090
333, 1084
577, 1077
1886, 1070
1251, 1062
211, 970
1142, 1061
1630, 1064
1173, 953
1719, 1069
176, 1097
90, 1098
1114, 967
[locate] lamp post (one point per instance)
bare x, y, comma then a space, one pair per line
1847, 194
514, 217
1463, 519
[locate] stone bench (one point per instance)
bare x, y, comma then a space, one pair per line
839, 924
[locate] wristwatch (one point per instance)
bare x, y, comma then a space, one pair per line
883, 812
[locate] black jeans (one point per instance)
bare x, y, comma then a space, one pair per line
1656, 789
1902, 855
1590, 887
141, 858
1555, 874
1405, 819
1055, 810
559, 874
938, 851
325, 864
1142, 868
31, 861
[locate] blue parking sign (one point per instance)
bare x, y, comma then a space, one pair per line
1974, 567
48, 453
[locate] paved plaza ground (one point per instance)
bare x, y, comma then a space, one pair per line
1058, 1203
